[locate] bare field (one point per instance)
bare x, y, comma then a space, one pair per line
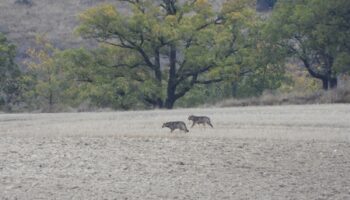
279, 152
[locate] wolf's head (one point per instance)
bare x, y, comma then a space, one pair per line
164, 125
191, 117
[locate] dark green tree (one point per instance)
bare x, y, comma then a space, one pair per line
44, 82
315, 32
95, 82
9, 73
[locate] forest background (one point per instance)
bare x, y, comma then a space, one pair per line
84, 55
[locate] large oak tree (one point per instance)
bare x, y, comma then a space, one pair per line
171, 45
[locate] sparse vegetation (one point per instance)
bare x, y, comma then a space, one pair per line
340, 95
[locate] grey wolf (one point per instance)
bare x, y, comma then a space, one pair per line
176, 125
200, 120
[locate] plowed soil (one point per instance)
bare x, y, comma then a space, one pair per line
280, 152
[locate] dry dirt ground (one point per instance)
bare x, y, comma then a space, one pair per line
281, 152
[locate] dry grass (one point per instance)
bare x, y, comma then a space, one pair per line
280, 122
340, 95
281, 152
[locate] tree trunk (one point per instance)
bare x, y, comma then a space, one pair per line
234, 89
333, 83
329, 83
50, 101
158, 74
171, 89
169, 103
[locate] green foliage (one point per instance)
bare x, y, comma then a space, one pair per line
44, 83
317, 33
205, 94
96, 79
9, 73
342, 63
171, 46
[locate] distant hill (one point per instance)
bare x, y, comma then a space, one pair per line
22, 20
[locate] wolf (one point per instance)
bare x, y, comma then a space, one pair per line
200, 120
176, 125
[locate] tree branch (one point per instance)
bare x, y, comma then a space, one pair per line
310, 70
205, 82
128, 65
136, 3
126, 43
218, 20
87, 80
186, 89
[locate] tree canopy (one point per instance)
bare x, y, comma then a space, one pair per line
166, 53
172, 46
44, 83
317, 33
9, 72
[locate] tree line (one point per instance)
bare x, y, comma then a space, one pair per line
170, 53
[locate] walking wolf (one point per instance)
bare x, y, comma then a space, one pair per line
200, 120
176, 125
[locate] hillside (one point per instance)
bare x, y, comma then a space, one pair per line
21, 21
56, 19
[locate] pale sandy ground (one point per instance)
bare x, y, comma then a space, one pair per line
282, 152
